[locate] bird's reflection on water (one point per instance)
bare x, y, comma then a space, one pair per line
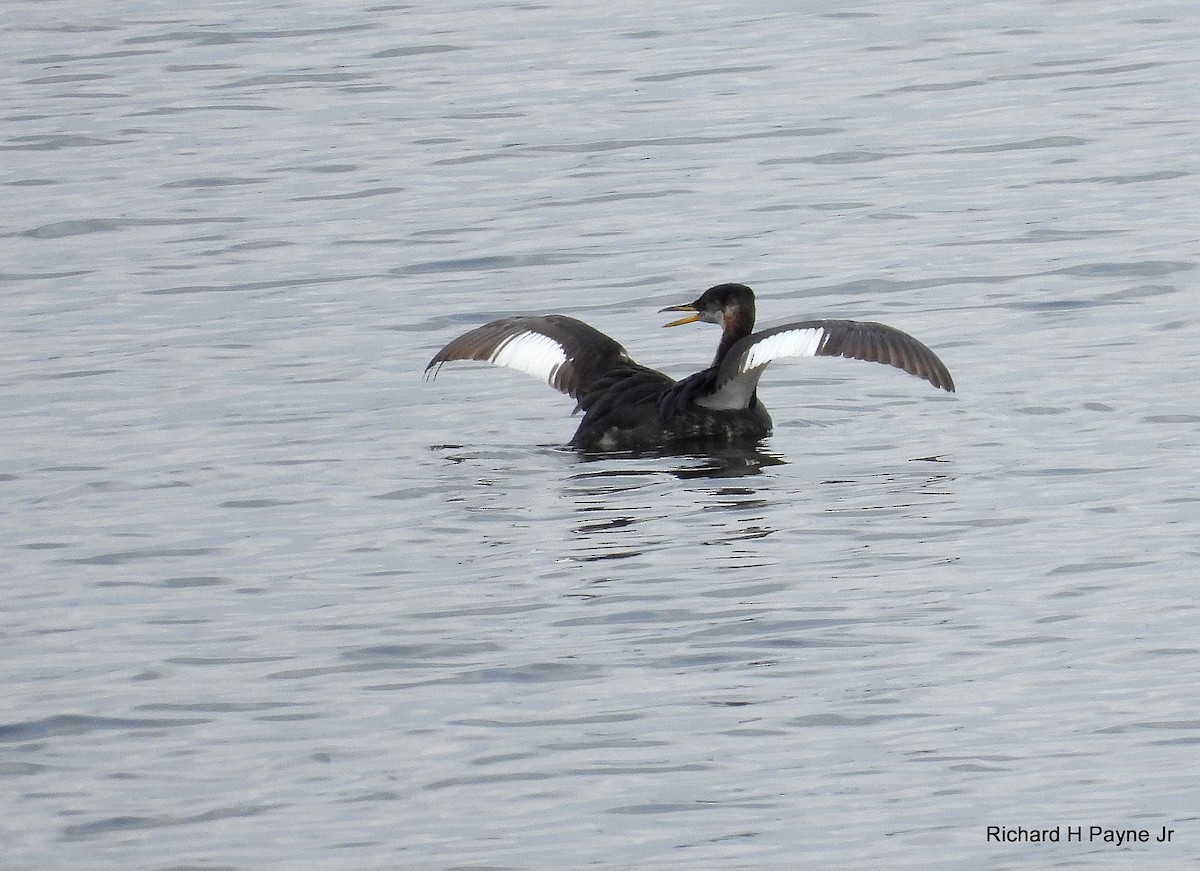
724, 462
626, 508
638, 507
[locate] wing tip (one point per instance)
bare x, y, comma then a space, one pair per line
874, 342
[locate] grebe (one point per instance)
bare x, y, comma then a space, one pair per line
631, 407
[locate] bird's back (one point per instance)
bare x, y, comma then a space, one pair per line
620, 408
632, 407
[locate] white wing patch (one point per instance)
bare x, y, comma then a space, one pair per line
532, 353
791, 343
737, 392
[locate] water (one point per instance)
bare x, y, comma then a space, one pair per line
272, 600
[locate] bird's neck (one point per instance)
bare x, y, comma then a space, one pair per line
736, 325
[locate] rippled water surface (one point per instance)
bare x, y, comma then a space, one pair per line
270, 600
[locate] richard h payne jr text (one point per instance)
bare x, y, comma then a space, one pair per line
1077, 834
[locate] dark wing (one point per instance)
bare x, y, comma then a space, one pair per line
565, 353
737, 377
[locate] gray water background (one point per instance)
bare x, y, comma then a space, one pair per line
272, 601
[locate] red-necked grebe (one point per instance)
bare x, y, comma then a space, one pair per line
630, 407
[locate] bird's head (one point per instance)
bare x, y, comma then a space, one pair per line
730, 306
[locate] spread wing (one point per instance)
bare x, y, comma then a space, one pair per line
564, 352
737, 377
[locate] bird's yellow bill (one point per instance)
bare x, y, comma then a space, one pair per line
692, 318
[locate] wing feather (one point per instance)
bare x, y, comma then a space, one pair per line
737, 378
564, 352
